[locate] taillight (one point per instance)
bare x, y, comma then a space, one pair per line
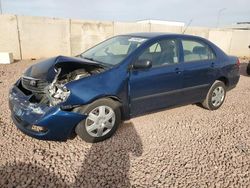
238, 62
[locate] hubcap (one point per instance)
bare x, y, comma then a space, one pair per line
218, 96
100, 121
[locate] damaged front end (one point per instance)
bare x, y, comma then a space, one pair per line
34, 99
53, 92
56, 92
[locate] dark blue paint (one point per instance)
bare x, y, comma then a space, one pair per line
138, 91
45, 70
59, 124
152, 82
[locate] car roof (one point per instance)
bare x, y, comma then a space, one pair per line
150, 35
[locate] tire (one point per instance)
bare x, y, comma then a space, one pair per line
96, 107
248, 68
209, 103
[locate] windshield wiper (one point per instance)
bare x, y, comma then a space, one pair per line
89, 58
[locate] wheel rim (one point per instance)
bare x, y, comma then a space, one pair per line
218, 96
100, 121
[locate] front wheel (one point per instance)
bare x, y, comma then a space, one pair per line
215, 96
103, 118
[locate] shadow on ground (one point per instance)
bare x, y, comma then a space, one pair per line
106, 165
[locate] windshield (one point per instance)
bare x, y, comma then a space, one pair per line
113, 51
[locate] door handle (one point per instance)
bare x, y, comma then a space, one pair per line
178, 71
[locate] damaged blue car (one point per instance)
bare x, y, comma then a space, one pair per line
128, 75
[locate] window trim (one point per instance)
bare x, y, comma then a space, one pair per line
177, 42
201, 42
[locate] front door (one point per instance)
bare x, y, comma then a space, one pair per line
157, 87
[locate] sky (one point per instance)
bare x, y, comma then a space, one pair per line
201, 12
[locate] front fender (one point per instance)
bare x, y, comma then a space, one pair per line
110, 83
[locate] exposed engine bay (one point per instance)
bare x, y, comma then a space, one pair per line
55, 92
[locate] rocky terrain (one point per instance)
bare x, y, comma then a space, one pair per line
182, 147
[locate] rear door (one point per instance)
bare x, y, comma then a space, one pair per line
160, 86
199, 69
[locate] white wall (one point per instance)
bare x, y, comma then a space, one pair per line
130, 27
221, 38
37, 37
163, 28
43, 37
9, 35
198, 31
239, 43
85, 34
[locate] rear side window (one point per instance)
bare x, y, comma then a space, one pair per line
196, 51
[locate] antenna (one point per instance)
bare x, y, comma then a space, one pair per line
190, 21
219, 16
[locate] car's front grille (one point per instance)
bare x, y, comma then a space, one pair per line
34, 85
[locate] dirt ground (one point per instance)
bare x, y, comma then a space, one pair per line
181, 147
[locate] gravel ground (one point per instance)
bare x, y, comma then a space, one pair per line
181, 147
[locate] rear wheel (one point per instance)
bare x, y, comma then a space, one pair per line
215, 96
104, 117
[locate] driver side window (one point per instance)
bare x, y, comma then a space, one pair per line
163, 52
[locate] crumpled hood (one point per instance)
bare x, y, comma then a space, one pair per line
46, 70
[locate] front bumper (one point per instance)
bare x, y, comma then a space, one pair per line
55, 123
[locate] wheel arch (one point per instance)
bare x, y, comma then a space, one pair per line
121, 105
111, 97
224, 80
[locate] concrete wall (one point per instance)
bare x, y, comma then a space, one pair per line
85, 34
221, 38
163, 28
129, 27
36, 37
43, 37
198, 31
9, 41
239, 43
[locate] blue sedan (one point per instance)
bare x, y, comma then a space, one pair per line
125, 76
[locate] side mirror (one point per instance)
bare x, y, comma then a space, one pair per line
142, 64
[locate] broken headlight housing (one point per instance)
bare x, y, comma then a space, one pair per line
57, 93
